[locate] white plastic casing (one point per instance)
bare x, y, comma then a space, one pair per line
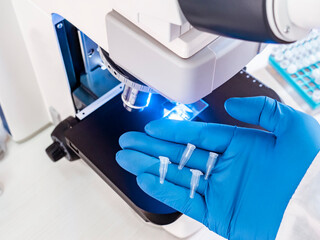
33, 77
292, 20
184, 227
182, 80
20, 96
305, 14
164, 21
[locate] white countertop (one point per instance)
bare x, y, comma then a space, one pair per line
63, 200
43, 200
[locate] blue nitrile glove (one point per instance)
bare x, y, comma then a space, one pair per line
254, 178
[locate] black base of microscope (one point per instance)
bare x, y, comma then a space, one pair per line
95, 140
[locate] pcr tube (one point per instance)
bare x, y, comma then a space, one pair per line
163, 169
194, 181
211, 163
316, 96
186, 155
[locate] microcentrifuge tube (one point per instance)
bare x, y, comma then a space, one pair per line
317, 81
288, 54
279, 57
316, 73
194, 181
163, 169
292, 69
211, 163
275, 51
313, 59
186, 155
284, 64
314, 45
308, 46
316, 96
305, 62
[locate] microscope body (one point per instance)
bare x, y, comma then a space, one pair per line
103, 62
153, 42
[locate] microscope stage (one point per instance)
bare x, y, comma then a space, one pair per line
95, 139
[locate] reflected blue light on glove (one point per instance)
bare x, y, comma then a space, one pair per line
256, 174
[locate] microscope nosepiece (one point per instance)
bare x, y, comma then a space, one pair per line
136, 95
135, 100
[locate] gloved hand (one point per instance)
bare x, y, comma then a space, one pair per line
256, 174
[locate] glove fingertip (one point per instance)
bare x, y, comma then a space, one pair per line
230, 105
246, 109
145, 180
128, 139
123, 139
149, 128
152, 128
231, 102
119, 158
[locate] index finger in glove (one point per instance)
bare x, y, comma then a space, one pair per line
141, 142
211, 137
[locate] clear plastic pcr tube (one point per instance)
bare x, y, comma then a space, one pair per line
211, 163
163, 169
186, 155
194, 181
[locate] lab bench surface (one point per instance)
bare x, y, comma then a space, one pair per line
63, 200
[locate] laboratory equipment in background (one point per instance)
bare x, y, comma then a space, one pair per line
100, 68
3, 140
299, 65
3, 145
23, 108
73, 54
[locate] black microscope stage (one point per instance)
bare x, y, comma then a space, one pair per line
95, 139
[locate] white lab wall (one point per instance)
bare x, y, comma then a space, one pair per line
87, 16
20, 96
43, 48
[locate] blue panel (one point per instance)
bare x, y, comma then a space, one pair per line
297, 63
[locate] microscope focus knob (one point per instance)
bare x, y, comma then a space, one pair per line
55, 151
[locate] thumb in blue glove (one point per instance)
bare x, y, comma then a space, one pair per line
256, 174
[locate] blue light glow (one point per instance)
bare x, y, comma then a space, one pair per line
182, 112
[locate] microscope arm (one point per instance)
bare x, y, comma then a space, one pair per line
280, 21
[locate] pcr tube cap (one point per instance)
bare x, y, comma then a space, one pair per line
163, 169
194, 181
186, 155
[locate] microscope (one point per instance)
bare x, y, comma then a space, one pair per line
100, 68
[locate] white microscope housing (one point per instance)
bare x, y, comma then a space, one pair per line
143, 47
150, 40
